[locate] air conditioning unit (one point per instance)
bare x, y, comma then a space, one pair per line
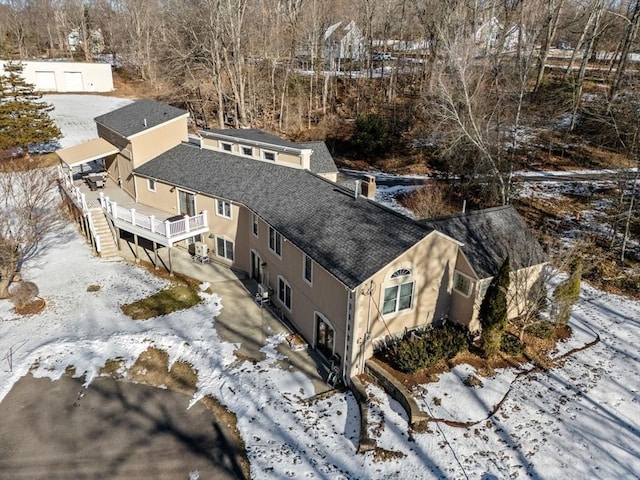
201, 249
263, 291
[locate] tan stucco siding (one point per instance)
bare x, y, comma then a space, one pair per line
333, 177
462, 307
288, 159
162, 199
210, 143
326, 295
124, 174
148, 145
431, 263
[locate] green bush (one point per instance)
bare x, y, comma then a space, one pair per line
424, 349
566, 295
493, 311
371, 134
511, 345
544, 330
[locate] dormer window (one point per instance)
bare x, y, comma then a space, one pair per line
270, 156
226, 146
248, 151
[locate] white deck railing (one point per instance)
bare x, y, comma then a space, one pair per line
169, 229
79, 199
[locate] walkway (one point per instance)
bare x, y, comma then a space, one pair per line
241, 321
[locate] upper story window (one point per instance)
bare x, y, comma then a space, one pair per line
307, 269
151, 185
462, 284
275, 242
226, 146
254, 226
400, 296
223, 208
271, 156
248, 151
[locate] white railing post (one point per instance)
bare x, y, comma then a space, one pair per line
152, 223
84, 202
204, 218
167, 231
101, 199
186, 223
133, 216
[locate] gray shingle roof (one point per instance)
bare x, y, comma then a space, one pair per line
351, 238
489, 235
253, 135
130, 119
321, 159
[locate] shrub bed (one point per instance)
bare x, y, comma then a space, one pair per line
423, 349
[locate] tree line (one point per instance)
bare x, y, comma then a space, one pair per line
464, 75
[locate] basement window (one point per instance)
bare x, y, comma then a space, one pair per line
226, 147
271, 156
248, 151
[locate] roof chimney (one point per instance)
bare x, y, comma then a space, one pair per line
369, 187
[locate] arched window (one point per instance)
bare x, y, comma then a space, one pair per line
399, 296
403, 272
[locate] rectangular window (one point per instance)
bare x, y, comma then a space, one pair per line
462, 284
397, 298
255, 225
248, 151
226, 147
224, 248
151, 185
275, 242
307, 269
223, 208
271, 156
284, 293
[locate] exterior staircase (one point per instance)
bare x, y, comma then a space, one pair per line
108, 245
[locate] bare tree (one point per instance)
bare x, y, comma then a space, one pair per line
30, 212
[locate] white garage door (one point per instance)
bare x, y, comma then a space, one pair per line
73, 81
46, 81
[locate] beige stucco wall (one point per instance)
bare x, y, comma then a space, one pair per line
96, 77
463, 309
326, 295
150, 144
432, 263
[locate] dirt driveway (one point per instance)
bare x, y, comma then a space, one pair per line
111, 430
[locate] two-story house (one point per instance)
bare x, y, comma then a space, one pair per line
345, 271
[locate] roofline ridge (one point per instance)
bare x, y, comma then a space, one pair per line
468, 213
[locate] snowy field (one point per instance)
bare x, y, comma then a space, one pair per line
579, 420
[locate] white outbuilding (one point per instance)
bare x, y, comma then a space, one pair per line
64, 76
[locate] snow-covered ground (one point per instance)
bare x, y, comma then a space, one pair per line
579, 420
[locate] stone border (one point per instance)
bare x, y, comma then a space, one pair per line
366, 443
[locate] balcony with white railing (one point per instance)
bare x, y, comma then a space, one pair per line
163, 231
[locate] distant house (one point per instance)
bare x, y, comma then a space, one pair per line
492, 34
342, 41
96, 40
345, 272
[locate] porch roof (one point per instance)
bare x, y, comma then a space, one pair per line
86, 152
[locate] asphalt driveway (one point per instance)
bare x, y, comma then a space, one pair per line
112, 430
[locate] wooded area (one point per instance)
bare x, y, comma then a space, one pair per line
457, 84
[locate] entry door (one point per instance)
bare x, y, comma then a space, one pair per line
187, 203
325, 337
256, 267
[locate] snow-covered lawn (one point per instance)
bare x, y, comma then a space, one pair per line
580, 420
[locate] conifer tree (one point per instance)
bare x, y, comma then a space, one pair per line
566, 294
24, 118
493, 311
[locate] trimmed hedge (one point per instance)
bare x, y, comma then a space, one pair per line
417, 350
